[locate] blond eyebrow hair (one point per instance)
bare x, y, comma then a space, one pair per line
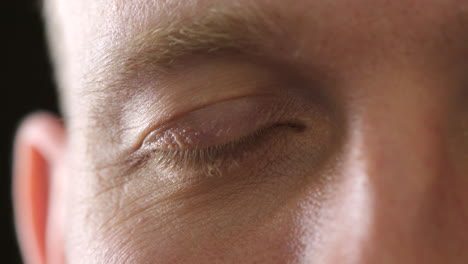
216, 31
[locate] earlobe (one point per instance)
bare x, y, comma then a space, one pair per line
38, 187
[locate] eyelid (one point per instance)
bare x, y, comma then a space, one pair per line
218, 123
215, 156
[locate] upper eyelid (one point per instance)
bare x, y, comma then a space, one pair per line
214, 159
273, 113
255, 111
172, 120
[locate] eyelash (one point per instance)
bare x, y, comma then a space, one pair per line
211, 160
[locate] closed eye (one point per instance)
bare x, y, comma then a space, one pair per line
222, 134
229, 152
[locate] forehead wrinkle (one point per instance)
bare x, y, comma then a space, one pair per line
216, 31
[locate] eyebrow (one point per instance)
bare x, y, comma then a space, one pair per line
215, 32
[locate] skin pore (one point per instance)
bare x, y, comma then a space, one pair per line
266, 131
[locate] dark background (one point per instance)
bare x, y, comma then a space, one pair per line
27, 86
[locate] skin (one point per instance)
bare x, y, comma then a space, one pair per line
344, 141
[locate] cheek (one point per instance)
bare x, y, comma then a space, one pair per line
251, 218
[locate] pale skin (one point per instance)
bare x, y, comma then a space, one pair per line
264, 131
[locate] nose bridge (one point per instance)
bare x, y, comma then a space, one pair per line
401, 139
401, 156
394, 164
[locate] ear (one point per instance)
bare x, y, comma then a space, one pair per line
38, 188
